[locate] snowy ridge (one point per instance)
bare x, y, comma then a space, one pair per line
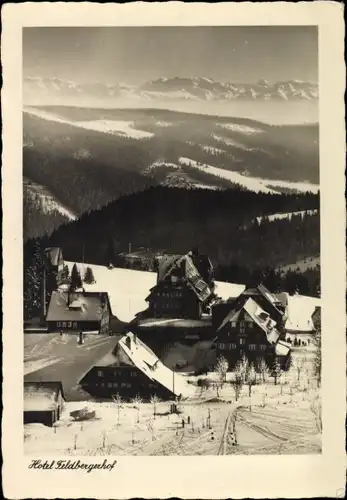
287, 215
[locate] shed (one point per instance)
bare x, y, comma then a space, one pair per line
43, 402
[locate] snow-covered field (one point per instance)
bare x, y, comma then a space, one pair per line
277, 419
287, 215
128, 289
124, 128
255, 184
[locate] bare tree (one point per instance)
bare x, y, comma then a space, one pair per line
154, 401
251, 379
119, 401
237, 385
276, 371
137, 401
221, 368
242, 368
264, 369
299, 365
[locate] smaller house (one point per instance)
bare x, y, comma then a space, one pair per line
130, 369
302, 335
249, 331
43, 402
79, 311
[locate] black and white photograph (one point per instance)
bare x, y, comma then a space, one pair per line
173, 250
171, 240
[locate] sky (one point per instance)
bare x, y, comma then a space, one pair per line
134, 55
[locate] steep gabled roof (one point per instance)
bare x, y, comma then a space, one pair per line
84, 306
130, 350
170, 264
258, 315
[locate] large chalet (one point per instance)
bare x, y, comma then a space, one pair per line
131, 369
248, 330
184, 286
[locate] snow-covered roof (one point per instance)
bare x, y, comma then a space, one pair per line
131, 350
282, 348
263, 320
41, 396
299, 313
76, 306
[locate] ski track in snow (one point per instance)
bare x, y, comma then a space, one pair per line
256, 184
120, 127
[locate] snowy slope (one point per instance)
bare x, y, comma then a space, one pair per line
45, 200
255, 184
124, 128
128, 289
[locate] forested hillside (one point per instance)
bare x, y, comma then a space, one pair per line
222, 223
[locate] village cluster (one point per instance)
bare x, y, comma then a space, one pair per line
92, 355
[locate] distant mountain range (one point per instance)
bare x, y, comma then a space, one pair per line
38, 89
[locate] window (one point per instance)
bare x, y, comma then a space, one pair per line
233, 324
110, 384
123, 384
242, 341
232, 346
263, 347
115, 384
242, 327
252, 347
100, 373
250, 324
222, 346
133, 374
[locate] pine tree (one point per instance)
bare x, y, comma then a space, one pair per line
76, 281
89, 276
65, 275
33, 280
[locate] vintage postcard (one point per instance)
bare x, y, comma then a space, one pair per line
174, 251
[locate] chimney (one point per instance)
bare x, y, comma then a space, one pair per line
128, 342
